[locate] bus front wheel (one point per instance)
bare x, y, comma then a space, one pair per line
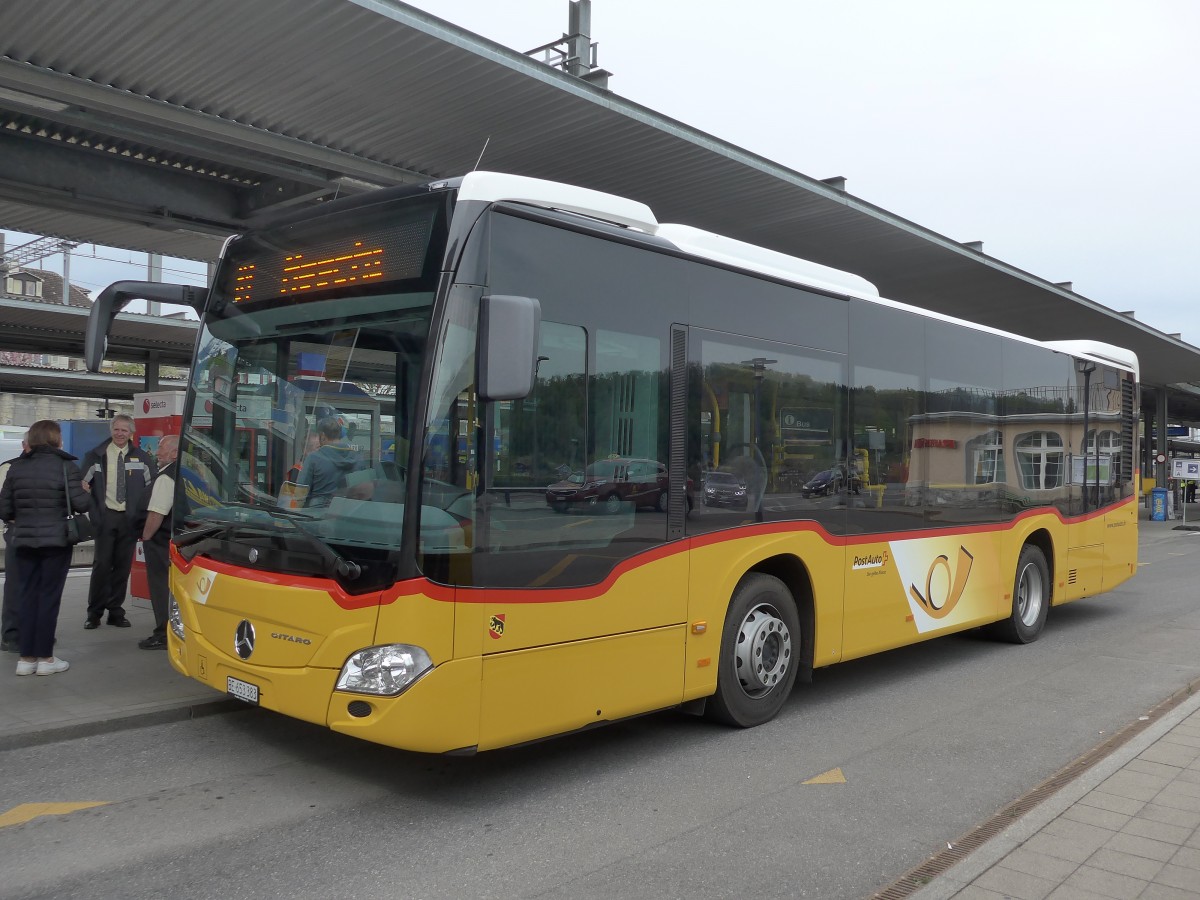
1030, 602
758, 660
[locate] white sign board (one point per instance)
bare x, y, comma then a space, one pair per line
1185, 469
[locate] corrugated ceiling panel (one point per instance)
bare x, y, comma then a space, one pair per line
108, 232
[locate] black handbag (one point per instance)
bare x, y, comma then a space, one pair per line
79, 526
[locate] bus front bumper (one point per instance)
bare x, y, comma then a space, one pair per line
438, 713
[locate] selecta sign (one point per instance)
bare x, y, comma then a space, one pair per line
158, 405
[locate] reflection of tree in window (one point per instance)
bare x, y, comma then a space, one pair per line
541, 435
1040, 459
772, 416
626, 397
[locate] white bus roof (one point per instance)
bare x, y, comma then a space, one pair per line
493, 187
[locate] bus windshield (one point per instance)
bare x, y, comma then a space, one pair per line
300, 413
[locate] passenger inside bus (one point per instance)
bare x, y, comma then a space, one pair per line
310, 447
327, 470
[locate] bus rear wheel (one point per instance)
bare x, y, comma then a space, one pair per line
759, 643
1030, 600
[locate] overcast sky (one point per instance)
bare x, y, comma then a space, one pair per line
1061, 133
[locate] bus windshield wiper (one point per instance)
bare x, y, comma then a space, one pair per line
199, 533
203, 537
336, 563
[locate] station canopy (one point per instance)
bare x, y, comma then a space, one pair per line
165, 127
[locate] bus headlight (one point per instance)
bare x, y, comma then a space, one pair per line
386, 670
175, 618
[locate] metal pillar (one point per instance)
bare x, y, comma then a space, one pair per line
66, 297
579, 53
153, 273
1161, 470
151, 372
1147, 465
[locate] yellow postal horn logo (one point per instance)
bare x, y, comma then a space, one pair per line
937, 601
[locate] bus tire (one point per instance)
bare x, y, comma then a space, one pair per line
1031, 600
759, 653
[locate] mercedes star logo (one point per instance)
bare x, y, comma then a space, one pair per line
243, 641
253, 554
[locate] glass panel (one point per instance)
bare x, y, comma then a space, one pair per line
564, 474
540, 439
1097, 466
290, 439
1039, 396
449, 465
303, 390
572, 479
888, 404
771, 441
962, 408
731, 303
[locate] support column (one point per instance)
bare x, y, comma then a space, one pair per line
66, 291
153, 273
151, 372
1147, 468
1161, 470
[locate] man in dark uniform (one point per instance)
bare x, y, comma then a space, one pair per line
118, 475
156, 540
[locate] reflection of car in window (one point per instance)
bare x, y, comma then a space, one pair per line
724, 489
609, 483
831, 481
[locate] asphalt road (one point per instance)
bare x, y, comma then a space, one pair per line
909, 750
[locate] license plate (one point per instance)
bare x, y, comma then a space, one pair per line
242, 690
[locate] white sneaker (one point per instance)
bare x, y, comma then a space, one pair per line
26, 668
52, 666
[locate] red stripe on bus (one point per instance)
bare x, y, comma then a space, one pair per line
450, 593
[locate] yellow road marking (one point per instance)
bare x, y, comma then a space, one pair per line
833, 776
556, 570
27, 812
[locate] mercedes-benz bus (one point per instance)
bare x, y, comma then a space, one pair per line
514, 334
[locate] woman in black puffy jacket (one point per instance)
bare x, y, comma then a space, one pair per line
35, 500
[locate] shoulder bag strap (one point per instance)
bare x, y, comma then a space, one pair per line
67, 491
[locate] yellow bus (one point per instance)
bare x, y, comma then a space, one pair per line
822, 474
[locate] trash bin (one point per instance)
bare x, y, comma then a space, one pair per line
1158, 504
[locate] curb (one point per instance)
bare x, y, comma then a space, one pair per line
960, 876
34, 738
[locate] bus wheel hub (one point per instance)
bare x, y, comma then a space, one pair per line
764, 651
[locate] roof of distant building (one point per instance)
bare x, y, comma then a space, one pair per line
52, 288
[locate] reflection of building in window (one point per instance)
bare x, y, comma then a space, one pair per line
1040, 460
985, 455
1110, 443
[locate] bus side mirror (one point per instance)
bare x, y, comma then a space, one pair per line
116, 297
508, 342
